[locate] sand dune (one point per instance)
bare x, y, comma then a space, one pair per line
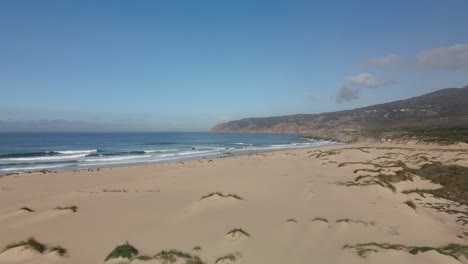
341, 204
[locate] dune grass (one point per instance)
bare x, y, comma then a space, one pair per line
228, 257
411, 204
62, 252
452, 250
173, 256
123, 251
453, 178
26, 209
144, 257
31, 243
129, 252
115, 190
222, 195
347, 220
238, 230
320, 219
197, 248
321, 154
73, 208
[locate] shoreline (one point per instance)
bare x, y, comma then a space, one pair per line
182, 159
197, 159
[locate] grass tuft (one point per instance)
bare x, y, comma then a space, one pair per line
123, 251
411, 204
229, 257
144, 257
222, 195
347, 220
74, 208
26, 209
173, 256
62, 252
238, 230
31, 243
453, 250
197, 248
320, 219
115, 190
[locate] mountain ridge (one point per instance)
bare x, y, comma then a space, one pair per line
444, 109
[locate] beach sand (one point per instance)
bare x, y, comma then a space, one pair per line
288, 206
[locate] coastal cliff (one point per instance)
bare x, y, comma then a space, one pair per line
430, 116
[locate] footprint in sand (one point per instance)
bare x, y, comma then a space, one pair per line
310, 188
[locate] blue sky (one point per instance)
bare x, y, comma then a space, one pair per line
187, 65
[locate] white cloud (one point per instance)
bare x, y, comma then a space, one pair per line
365, 80
453, 57
346, 94
385, 61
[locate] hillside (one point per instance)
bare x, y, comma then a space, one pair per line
442, 110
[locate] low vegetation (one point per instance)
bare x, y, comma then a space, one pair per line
73, 208
62, 252
453, 250
321, 154
443, 136
144, 257
30, 243
27, 209
129, 252
115, 190
321, 219
222, 195
453, 178
123, 251
411, 204
176, 256
197, 248
347, 220
235, 231
228, 258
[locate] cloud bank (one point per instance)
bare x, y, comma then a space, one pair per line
366, 80
363, 80
346, 94
453, 57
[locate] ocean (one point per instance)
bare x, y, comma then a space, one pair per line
24, 152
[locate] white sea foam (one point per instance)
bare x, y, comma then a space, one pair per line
159, 150
71, 152
185, 153
166, 155
119, 158
45, 158
29, 168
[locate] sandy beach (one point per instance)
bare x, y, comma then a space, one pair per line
340, 204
